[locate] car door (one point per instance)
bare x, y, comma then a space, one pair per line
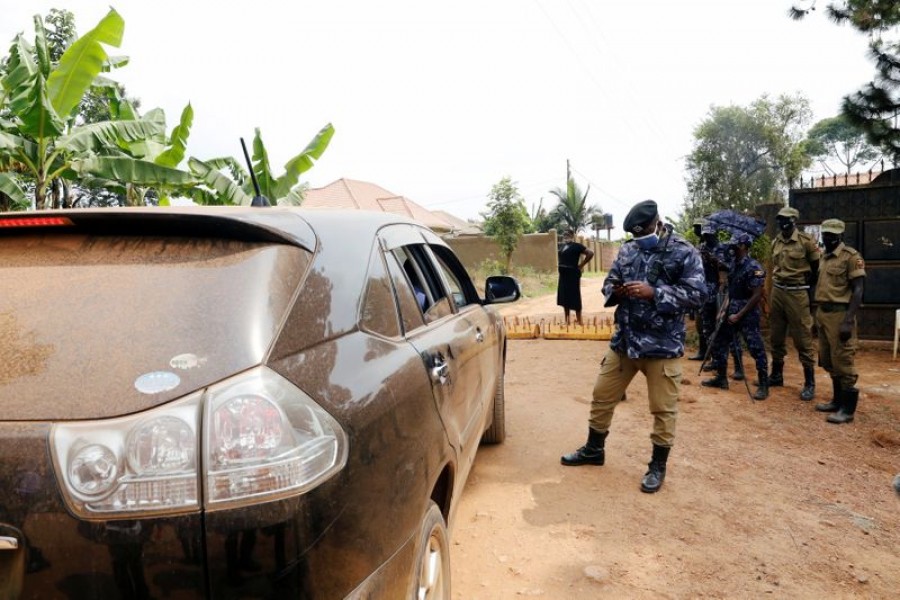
443, 338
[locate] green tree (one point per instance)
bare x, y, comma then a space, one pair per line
235, 186
874, 107
572, 210
744, 156
836, 139
506, 219
40, 138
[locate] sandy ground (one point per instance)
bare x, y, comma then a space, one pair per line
761, 500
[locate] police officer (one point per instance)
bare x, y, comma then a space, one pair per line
716, 264
745, 290
653, 283
839, 294
795, 266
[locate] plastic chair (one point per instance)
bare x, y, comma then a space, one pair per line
896, 331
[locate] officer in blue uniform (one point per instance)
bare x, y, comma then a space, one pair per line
716, 265
652, 283
746, 282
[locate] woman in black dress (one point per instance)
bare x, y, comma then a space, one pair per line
568, 292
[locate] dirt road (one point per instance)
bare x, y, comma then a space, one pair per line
762, 499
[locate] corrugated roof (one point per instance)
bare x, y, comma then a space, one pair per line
362, 195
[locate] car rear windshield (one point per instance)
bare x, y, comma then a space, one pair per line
96, 326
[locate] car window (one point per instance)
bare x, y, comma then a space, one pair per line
461, 289
411, 315
427, 285
379, 313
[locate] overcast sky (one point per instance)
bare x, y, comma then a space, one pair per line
437, 101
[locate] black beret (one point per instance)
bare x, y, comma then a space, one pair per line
639, 218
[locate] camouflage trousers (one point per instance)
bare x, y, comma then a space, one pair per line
707, 318
747, 328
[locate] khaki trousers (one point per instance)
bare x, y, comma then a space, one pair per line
789, 310
663, 384
836, 356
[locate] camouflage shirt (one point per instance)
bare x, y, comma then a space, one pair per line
745, 277
655, 328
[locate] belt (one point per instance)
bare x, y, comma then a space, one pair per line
791, 288
831, 307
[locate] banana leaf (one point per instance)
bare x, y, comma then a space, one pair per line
238, 173
15, 146
303, 161
10, 187
228, 192
174, 154
98, 136
38, 117
82, 62
135, 172
20, 73
261, 167
40, 42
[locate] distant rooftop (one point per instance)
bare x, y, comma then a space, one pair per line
362, 195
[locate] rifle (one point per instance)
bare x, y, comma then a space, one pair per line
720, 319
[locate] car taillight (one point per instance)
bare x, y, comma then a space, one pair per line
261, 436
34, 221
132, 465
266, 438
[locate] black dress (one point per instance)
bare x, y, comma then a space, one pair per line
568, 292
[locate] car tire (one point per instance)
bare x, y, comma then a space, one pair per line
496, 433
432, 567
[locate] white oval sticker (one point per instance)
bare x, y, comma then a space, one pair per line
156, 382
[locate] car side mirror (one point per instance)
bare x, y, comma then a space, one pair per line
501, 288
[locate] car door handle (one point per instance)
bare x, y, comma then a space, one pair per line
440, 370
8, 543
479, 336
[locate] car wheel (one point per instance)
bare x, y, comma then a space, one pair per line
496, 433
433, 558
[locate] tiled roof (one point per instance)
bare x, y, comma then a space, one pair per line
362, 195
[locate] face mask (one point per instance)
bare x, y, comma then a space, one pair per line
648, 241
785, 224
831, 243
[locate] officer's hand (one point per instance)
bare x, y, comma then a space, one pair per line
618, 290
733, 319
845, 332
638, 289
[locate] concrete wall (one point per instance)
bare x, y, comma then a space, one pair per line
535, 250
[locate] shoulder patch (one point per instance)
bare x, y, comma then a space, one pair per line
758, 273
860, 263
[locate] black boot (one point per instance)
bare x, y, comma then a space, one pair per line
738, 374
719, 381
762, 392
849, 398
809, 383
835, 404
592, 453
776, 377
656, 473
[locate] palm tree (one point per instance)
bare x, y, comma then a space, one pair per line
573, 211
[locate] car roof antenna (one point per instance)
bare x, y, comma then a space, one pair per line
258, 199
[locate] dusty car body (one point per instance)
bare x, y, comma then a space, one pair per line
260, 402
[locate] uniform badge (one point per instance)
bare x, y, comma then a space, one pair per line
860, 263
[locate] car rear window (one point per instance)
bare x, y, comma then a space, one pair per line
95, 326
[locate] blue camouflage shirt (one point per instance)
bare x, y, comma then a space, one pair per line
745, 276
655, 328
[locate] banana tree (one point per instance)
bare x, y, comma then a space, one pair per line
39, 137
236, 187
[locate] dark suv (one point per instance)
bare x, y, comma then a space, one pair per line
259, 402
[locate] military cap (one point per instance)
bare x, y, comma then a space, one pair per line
742, 238
788, 211
640, 216
832, 226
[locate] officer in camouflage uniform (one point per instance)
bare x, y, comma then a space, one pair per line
716, 265
653, 283
746, 282
795, 266
839, 294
